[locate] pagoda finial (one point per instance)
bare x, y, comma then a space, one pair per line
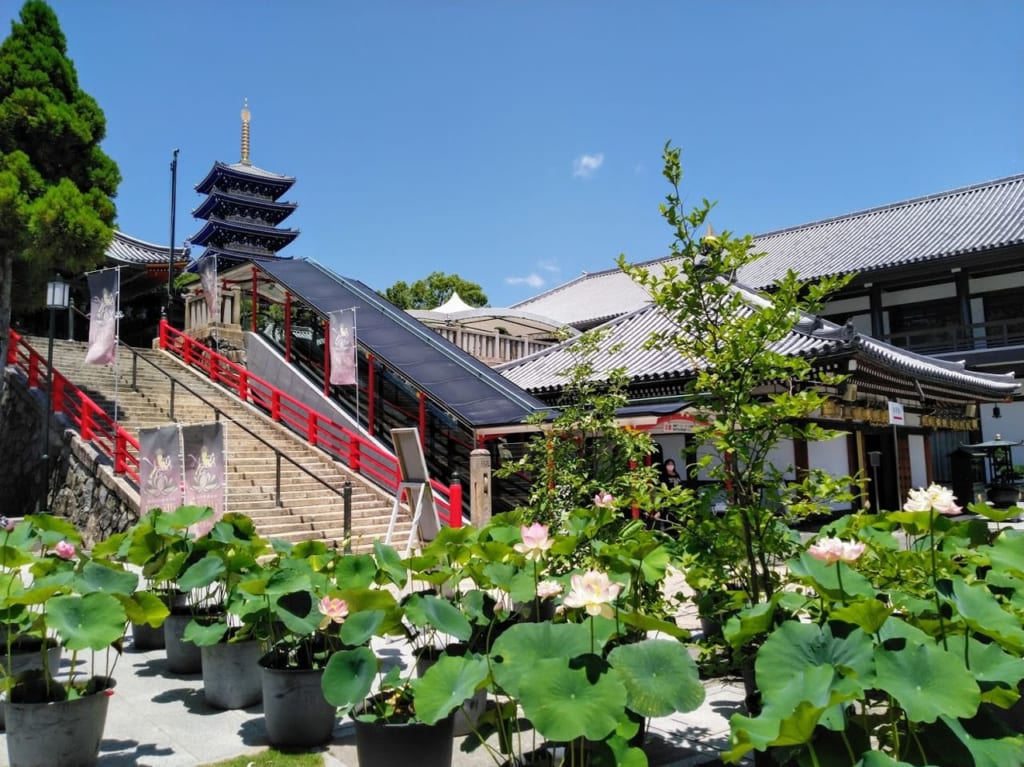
245, 132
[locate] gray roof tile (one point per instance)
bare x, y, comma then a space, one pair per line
130, 250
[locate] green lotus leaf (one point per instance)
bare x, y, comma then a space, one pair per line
649, 623
987, 752
97, 577
427, 611
183, 517
562, 704
204, 572
826, 578
146, 607
659, 675
1007, 553
988, 661
205, 634
355, 571
518, 651
898, 630
12, 557
298, 613
868, 614
90, 622
446, 685
750, 623
795, 646
288, 580
992, 513
752, 733
390, 563
982, 612
927, 682
522, 587
348, 677
359, 627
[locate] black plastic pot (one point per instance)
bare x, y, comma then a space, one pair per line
424, 745
295, 712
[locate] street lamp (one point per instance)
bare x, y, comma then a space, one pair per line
56, 298
875, 458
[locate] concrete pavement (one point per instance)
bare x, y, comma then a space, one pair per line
159, 719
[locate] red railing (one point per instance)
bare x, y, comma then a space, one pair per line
352, 449
94, 425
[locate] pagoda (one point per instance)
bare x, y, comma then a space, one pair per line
242, 209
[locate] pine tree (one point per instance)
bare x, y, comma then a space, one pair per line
56, 183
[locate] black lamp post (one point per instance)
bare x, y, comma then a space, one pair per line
56, 298
875, 458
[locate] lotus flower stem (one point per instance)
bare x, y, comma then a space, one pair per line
935, 576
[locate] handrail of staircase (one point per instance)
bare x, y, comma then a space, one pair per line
94, 425
360, 454
217, 412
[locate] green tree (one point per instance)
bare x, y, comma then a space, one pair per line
56, 183
752, 395
433, 290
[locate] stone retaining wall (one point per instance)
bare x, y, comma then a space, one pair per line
84, 488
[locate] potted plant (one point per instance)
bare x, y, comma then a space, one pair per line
231, 641
908, 644
163, 546
55, 589
308, 592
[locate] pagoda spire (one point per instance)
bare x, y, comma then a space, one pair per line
245, 132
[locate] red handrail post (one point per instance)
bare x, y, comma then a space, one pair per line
311, 428
34, 361
355, 457
455, 503
57, 399
243, 385
120, 451
12, 347
85, 427
163, 333
275, 404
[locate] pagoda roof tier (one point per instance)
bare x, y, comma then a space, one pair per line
246, 178
227, 258
243, 237
227, 206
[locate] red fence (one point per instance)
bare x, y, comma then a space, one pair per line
352, 449
93, 424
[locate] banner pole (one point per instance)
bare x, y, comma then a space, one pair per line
117, 334
355, 360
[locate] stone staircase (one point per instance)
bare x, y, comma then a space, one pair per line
310, 508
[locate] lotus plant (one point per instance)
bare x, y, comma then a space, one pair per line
906, 645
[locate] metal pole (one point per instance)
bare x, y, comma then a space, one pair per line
49, 408
71, 320
277, 479
346, 495
896, 454
170, 247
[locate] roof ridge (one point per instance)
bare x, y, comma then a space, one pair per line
894, 205
139, 241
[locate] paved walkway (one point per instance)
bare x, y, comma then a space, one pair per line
159, 719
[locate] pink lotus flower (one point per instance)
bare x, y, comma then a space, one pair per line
604, 501
64, 550
548, 588
935, 497
333, 609
594, 592
831, 550
535, 542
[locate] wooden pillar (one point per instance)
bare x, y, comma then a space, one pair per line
480, 487
963, 300
875, 307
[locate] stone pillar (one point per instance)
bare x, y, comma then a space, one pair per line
480, 487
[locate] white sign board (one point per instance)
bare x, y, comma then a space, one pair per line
896, 414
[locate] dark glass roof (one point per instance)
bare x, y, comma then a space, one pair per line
460, 383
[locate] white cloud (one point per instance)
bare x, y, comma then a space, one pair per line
533, 279
586, 165
550, 266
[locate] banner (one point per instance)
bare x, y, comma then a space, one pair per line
160, 471
103, 288
208, 279
203, 446
343, 347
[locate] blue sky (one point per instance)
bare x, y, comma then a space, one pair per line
518, 144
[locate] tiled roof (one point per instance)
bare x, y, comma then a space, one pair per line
972, 219
130, 250
812, 337
968, 220
590, 298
